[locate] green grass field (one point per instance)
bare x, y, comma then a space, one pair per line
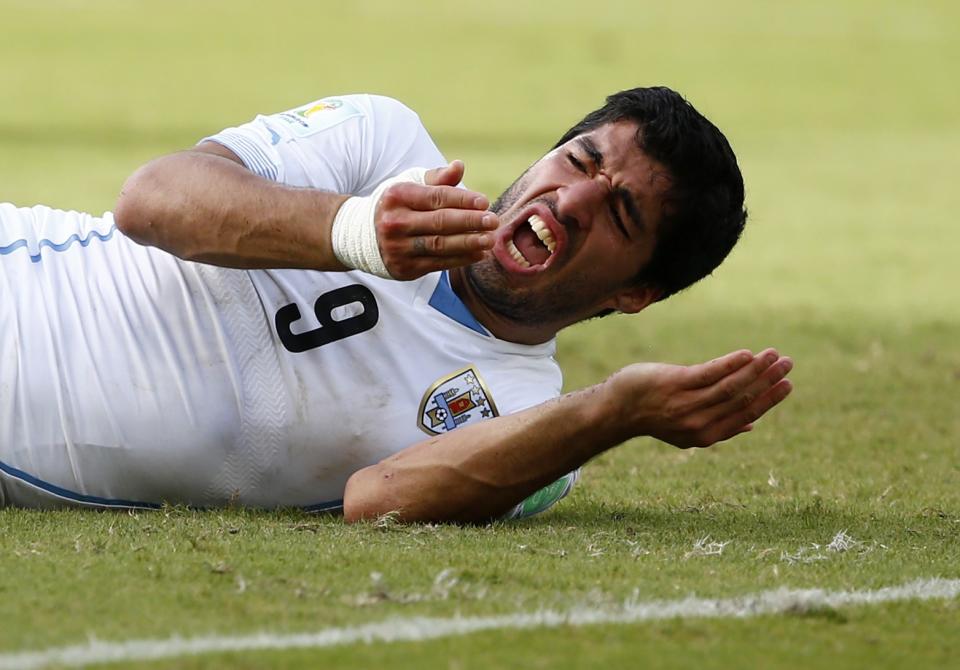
846, 119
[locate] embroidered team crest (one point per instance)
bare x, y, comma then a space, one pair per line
453, 401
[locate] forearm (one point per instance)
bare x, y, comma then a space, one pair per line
206, 207
479, 472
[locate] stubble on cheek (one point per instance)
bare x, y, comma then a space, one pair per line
511, 195
489, 282
564, 302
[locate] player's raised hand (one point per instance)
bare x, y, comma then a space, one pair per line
699, 405
432, 226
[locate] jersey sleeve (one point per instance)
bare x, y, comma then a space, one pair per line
346, 144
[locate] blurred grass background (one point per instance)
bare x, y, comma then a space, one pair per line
845, 116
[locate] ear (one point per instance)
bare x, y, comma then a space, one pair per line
634, 299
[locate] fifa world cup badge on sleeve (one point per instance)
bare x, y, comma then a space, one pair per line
319, 115
454, 400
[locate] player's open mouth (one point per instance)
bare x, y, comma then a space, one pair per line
532, 243
535, 240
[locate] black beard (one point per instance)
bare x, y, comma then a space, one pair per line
560, 304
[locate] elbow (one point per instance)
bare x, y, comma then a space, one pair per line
408, 495
134, 213
437, 494
367, 495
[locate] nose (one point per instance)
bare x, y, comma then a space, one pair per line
578, 202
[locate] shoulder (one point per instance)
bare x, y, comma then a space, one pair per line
387, 106
384, 134
378, 111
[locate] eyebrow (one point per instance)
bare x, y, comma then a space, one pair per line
623, 195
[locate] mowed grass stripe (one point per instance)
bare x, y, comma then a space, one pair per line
414, 629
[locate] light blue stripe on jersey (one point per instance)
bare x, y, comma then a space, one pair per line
445, 301
58, 246
252, 156
331, 506
73, 496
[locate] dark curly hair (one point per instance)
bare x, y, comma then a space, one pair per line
703, 214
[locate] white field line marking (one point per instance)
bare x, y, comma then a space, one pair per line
428, 628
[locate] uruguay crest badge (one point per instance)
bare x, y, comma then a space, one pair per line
454, 400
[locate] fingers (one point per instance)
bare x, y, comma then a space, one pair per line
434, 263
738, 397
450, 245
443, 233
449, 175
743, 420
428, 198
745, 396
408, 258
440, 222
433, 225
733, 386
711, 372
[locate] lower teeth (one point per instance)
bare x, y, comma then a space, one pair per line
516, 255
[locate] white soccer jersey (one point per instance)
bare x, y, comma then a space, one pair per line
129, 377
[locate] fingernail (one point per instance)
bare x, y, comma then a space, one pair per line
480, 202
485, 241
489, 221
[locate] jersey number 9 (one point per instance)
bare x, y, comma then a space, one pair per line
330, 329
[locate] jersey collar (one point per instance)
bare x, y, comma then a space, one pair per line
445, 301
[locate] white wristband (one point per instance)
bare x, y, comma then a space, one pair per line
354, 233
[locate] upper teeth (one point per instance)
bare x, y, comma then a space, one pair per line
543, 233
540, 228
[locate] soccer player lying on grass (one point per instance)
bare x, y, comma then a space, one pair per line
276, 318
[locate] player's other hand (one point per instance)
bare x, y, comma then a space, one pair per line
699, 405
422, 228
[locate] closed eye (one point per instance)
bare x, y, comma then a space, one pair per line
618, 221
577, 163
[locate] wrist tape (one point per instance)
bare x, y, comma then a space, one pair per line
354, 233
